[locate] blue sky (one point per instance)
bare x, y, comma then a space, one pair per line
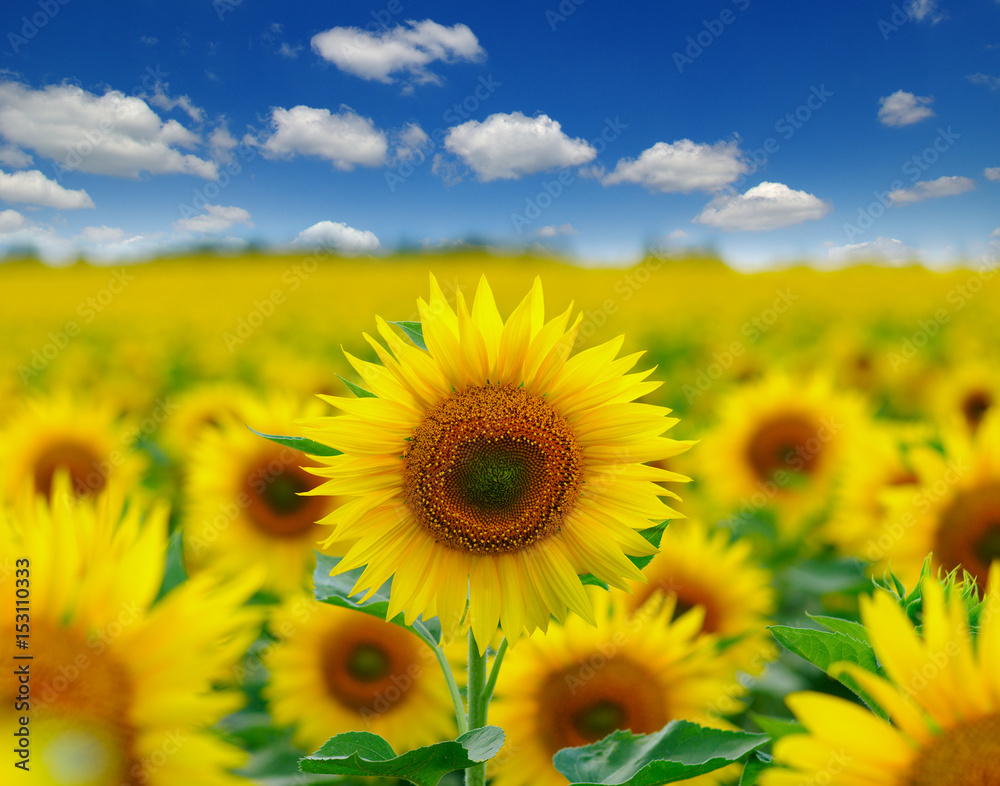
766, 131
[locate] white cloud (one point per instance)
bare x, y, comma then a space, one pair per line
113, 134
994, 233
921, 10
168, 104
216, 218
346, 139
887, 248
555, 231
399, 50
409, 141
509, 146
221, 143
682, 166
34, 188
13, 156
992, 172
932, 189
289, 51
765, 206
11, 221
101, 234
334, 234
677, 234
992, 82
902, 108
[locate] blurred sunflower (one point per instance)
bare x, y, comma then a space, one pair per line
494, 467
122, 688
89, 441
245, 498
576, 684
952, 511
700, 568
941, 690
877, 461
335, 670
966, 393
208, 405
779, 443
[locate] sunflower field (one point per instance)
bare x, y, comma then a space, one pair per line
716, 527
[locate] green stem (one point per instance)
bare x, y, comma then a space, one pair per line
476, 696
456, 696
492, 681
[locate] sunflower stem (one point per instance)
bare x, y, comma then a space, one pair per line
456, 695
492, 681
478, 705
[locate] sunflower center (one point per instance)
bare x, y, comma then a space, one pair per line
968, 532
78, 460
370, 666
492, 469
964, 755
81, 702
272, 486
974, 407
585, 703
788, 443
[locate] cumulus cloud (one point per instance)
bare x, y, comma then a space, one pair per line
555, 231
221, 143
13, 156
101, 234
677, 234
113, 134
346, 139
992, 172
408, 141
34, 188
215, 219
682, 166
932, 189
992, 82
509, 146
168, 104
339, 236
11, 221
887, 248
401, 50
765, 206
924, 11
902, 109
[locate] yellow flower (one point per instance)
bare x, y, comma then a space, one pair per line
577, 684
89, 441
494, 467
245, 502
779, 444
701, 571
121, 688
953, 511
941, 691
335, 670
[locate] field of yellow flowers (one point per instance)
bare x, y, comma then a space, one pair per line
841, 425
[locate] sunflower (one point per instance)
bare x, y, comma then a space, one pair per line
208, 405
577, 684
941, 691
700, 568
121, 687
954, 508
494, 468
966, 393
88, 440
779, 444
875, 462
245, 499
335, 670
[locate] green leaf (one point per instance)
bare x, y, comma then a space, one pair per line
415, 331
755, 765
680, 750
777, 728
824, 648
848, 627
653, 534
336, 590
822, 576
364, 753
357, 390
174, 572
300, 443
